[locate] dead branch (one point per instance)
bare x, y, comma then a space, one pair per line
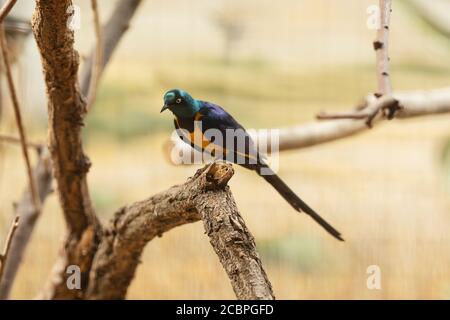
108, 258
112, 33
28, 217
7, 246
6, 9
414, 104
205, 196
232, 241
381, 47
115, 28
17, 112
16, 140
97, 66
65, 122
66, 111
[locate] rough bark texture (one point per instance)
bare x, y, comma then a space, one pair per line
234, 245
204, 196
28, 215
66, 109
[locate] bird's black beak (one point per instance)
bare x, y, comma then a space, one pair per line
164, 108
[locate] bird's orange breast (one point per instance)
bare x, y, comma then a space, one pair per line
196, 137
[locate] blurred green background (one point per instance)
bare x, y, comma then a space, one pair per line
270, 64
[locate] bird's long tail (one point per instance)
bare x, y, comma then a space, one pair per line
297, 203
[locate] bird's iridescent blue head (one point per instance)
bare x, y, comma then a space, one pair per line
180, 103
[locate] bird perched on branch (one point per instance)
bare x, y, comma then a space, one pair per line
207, 127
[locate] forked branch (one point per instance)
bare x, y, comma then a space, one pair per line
206, 197
389, 106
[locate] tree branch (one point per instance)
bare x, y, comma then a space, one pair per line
66, 111
200, 197
381, 47
28, 216
14, 139
414, 104
7, 246
17, 112
205, 196
98, 57
6, 9
112, 33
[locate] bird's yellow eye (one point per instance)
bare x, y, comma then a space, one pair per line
178, 100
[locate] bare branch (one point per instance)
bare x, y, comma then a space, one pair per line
28, 217
381, 47
414, 104
342, 115
97, 66
18, 116
233, 242
13, 139
369, 112
112, 33
110, 273
66, 110
204, 196
7, 246
6, 9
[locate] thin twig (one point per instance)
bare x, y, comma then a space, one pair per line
28, 218
381, 47
97, 66
14, 139
18, 116
342, 115
3, 13
6, 9
112, 32
4, 255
